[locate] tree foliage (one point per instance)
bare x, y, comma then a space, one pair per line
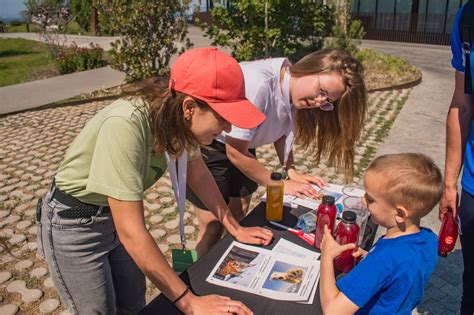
151, 32
81, 10
294, 28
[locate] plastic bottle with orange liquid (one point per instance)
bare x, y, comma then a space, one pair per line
274, 207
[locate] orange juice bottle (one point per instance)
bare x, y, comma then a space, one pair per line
274, 210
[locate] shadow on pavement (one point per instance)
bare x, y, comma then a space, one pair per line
443, 292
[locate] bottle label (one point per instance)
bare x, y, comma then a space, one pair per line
449, 240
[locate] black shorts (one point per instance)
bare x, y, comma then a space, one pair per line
229, 179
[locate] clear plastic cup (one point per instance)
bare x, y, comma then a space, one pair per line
356, 205
353, 191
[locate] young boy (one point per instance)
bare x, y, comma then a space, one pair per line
400, 190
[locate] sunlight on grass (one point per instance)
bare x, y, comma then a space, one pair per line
20, 59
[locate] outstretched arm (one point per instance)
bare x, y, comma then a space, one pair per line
130, 225
202, 183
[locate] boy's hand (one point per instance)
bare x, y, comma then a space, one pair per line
359, 253
330, 248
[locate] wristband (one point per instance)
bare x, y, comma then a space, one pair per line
181, 296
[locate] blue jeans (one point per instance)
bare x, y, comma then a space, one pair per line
466, 217
89, 266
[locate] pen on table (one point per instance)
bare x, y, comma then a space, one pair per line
308, 238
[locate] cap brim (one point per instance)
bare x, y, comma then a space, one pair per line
242, 114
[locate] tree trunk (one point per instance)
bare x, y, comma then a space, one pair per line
94, 23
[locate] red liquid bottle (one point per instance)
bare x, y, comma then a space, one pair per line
347, 231
326, 215
448, 235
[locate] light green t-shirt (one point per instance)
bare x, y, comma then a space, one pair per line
112, 156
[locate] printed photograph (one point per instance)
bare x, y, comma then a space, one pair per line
285, 278
239, 266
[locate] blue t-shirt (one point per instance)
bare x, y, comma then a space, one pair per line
392, 277
458, 62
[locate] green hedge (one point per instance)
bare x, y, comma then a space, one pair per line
75, 59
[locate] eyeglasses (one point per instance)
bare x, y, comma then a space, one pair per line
323, 99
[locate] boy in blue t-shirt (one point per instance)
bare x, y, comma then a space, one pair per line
390, 279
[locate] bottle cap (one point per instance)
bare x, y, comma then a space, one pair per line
349, 216
328, 200
276, 176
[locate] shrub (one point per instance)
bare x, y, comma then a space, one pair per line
350, 40
151, 32
294, 28
75, 59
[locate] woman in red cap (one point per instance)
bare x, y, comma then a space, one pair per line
91, 223
320, 102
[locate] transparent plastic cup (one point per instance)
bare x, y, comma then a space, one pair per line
353, 191
356, 205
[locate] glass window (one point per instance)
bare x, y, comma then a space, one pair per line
403, 15
367, 6
354, 5
385, 16
404, 6
420, 27
386, 6
453, 7
436, 16
436, 7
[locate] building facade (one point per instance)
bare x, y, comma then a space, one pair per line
420, 21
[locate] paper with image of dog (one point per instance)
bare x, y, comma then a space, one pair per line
267, 273
286, 247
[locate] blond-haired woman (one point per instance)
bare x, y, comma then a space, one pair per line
91, 225
320, 102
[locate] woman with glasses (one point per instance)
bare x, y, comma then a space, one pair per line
320, 103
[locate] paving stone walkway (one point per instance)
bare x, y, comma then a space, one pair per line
32, 144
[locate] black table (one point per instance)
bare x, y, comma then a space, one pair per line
196, 275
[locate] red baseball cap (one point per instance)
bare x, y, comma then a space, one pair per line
215, 78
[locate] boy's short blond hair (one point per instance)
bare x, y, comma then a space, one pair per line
411, 180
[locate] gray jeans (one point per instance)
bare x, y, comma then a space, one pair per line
89, 266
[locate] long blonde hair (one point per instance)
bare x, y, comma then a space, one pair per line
333, 134
171, 131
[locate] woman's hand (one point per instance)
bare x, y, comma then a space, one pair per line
330, 249
253, 235
448, 202
299, 189
212, 304
306, 178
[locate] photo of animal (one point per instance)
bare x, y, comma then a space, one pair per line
285, 277
239, 266
293, 275
232, 268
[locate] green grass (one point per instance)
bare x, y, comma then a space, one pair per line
21, 58
22, 28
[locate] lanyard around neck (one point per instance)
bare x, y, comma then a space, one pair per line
178, 179
286, 98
